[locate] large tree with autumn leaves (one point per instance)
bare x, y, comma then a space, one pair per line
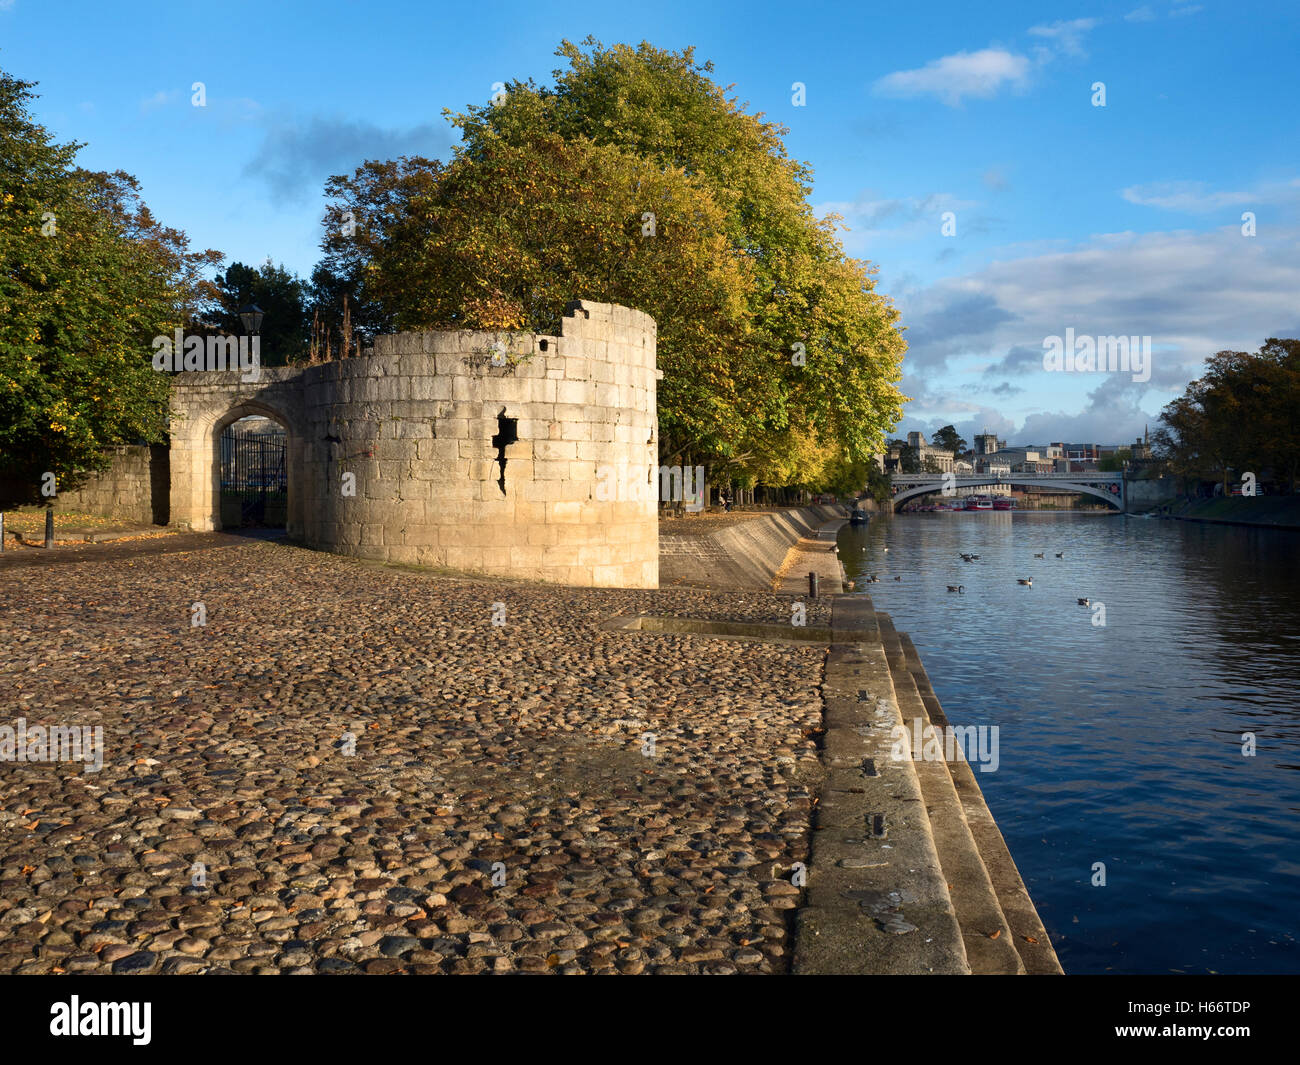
1241, 415
87, 277
637, 180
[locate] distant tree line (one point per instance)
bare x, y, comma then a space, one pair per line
1241, 416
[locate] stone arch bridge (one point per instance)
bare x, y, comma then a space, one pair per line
1107, 486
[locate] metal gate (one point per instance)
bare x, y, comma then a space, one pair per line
254, 482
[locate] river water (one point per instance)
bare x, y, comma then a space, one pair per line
1121, 743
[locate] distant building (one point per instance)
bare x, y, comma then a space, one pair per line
939, 458
992, 466
1142, 447
1017, 460
1079, 458
986, 443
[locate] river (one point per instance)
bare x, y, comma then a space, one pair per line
1121, 743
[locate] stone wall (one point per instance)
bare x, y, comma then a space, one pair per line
392, 455
135, 488
1147, 494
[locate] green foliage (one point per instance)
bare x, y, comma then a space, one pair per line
879, 485
547, 200
283, 299
1242, 415
853, 477
948, 439
87, 278
909, 460
331, 291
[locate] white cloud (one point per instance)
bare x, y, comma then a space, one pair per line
157, 100
1141, 14
1192, 293
1066, 35
1178, 11
984, 73
1196, 197
872, 215
977, 74
868, 222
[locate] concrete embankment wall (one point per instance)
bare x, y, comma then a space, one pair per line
747, 554
1144, 495
909, 873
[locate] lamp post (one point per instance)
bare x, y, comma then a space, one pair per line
252, 316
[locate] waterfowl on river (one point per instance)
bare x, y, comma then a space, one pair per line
1025, 580
956, 588
1085, 602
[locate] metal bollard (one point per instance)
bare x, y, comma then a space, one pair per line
812, 585
49, 527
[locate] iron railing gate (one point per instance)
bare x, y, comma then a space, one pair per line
253, 474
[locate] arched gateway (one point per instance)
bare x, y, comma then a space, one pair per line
469, 450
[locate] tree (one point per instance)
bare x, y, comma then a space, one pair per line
1278, 395
637, 180
930, 464
879, 485
331, 292
504, 241
87, 278
947, 439
1241, 416
1114, 463
909, 460
282, 297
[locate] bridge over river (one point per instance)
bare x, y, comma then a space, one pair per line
1107, 486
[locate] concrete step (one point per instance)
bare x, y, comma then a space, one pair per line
815, 553
985, 930
878, 900
1029, 935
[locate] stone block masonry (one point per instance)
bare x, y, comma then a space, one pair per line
134, 488
453, 449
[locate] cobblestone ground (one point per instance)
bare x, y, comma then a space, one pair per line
476, 744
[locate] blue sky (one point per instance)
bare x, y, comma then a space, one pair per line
1117, 220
